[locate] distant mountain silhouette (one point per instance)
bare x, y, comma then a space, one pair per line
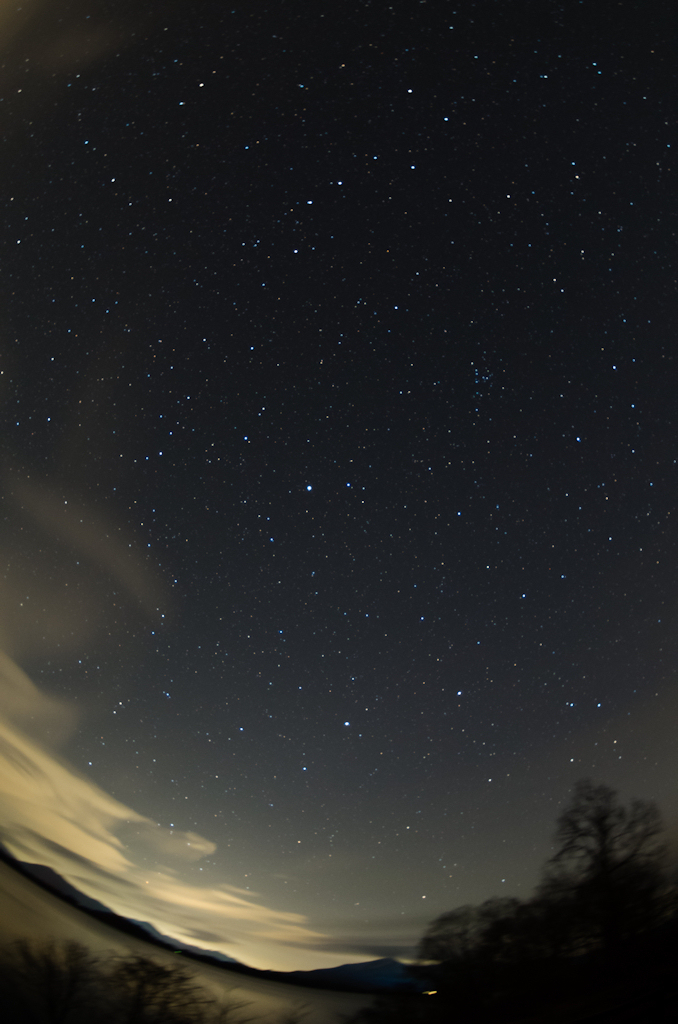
385, 975
54, 881
185, 946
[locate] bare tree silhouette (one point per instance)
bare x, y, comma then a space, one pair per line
150, 992
608, 865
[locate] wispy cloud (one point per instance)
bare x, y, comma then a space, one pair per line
55, 816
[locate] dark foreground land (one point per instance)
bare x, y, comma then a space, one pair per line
50, 985
637, 984
65, 983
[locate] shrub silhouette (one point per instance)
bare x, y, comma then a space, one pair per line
63, 983
51, 983
149, 992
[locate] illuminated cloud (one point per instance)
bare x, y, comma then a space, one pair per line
55, 45
53, 815
162, 842
100, 539
32, 711
98, 580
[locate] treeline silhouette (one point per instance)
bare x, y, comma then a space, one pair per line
598, 941
64, 983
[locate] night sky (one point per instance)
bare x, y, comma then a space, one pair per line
339, 451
